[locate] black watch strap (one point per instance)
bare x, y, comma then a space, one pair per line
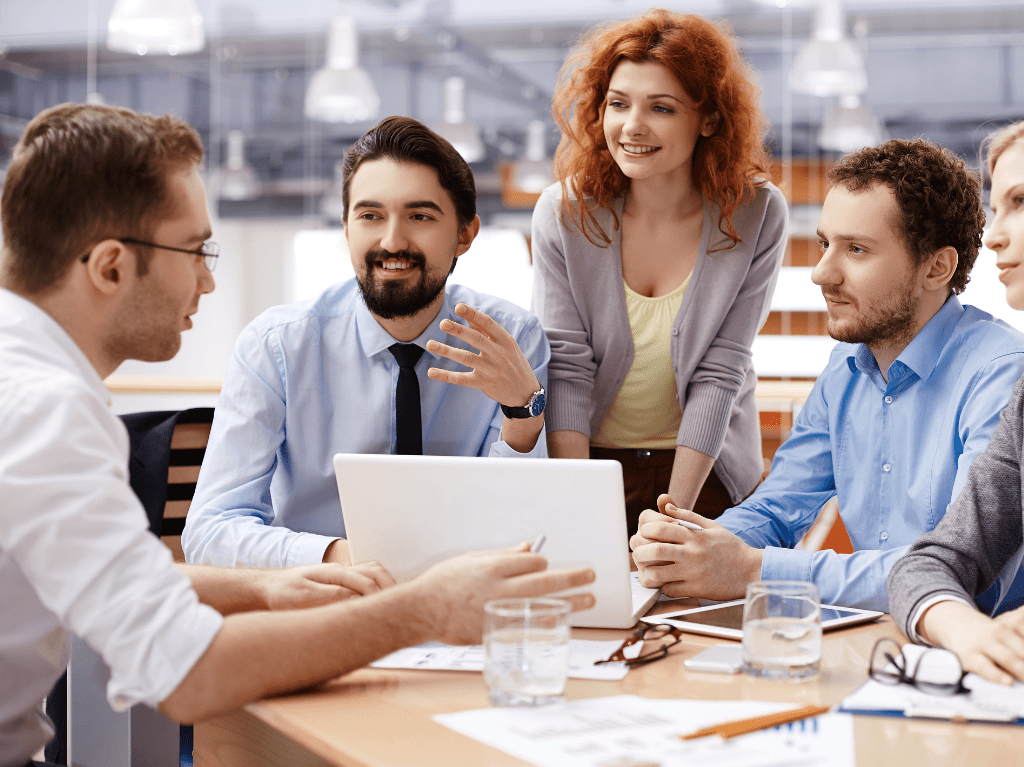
533, 407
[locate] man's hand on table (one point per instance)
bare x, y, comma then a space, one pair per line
712, 563
455, 590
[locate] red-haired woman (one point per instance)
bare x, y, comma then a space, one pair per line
655, 261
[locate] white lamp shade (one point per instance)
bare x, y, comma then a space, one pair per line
155, 26
849, 126
341, 95
829, 68
460, 132
342, 91
238, 180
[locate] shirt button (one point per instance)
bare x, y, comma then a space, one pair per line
888, 400
884, 536
675, 331
886, 467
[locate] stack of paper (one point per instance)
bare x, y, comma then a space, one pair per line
630, 731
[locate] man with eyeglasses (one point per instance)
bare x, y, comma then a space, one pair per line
105, 258
320, 377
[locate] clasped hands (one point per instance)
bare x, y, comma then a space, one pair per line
711, 563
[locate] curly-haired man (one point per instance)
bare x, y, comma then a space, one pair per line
909, 398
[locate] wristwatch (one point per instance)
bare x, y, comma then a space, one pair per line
533, 407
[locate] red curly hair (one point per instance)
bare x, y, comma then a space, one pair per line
727, 166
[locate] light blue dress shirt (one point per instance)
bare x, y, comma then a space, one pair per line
315, 378
895, 454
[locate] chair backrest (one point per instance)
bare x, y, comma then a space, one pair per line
166, 455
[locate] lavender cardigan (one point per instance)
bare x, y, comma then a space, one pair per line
578, 296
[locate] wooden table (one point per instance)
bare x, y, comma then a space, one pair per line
382, 718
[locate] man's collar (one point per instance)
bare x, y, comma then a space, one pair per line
374, 339
12, 304
922, 353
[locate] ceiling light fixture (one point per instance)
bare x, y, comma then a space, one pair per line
237, 179
534, 172
849, 126
829, 64
342, 91
460, 132
155, 26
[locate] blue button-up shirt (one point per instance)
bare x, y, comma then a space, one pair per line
895, 454
312, 379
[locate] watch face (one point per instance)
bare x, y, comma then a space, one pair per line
537, 404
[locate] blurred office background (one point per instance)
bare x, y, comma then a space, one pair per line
279, 90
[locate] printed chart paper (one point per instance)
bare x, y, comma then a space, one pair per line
630, 731
434, 656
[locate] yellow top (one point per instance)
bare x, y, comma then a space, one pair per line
645, 412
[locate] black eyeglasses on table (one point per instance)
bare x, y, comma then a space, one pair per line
937, 672
208, 251
646, 632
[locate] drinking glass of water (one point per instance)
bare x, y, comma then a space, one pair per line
526, 650
782, 630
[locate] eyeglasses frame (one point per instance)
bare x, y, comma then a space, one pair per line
209, 251
638, 636
886, 677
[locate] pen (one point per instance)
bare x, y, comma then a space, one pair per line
688, 525
743, 726
537, 543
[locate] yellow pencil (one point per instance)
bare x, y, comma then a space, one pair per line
743, 726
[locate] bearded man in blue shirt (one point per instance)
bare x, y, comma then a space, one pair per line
317, 378
910, 397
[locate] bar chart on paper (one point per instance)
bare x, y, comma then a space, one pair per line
630, 731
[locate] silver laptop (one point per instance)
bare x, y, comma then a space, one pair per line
411, 512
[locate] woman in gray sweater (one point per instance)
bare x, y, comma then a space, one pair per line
979, 540
655, 261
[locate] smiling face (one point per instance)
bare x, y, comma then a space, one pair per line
868, 278
1006, 230
650, 123
159, 306
404, 236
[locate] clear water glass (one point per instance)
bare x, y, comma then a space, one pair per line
782, 630
526, 650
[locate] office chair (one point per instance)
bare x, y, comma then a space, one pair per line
167, 449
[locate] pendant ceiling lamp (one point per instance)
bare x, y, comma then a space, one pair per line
460, 132
534, 172
237, 179
829, 64
849, 126
342, 91
167, 27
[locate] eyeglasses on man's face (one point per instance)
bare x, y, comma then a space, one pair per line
208, 251
937, 672
646, 633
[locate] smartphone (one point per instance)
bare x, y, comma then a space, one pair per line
719, 658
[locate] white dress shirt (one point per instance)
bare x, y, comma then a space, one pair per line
76, 554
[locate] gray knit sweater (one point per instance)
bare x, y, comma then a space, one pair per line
980, 533
578, 295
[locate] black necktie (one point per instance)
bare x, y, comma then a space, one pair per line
409, 425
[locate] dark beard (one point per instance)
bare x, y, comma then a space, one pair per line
391, 299
896, 324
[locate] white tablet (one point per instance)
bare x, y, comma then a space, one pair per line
726, 618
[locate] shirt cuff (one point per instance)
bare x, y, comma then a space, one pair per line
308, 549
501, 449
780, 564
929, 602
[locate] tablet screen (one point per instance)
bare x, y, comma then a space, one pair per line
730, 616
